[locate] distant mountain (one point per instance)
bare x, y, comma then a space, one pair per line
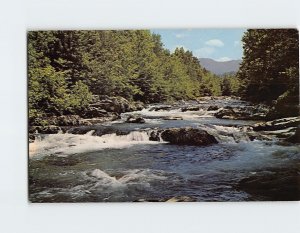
220, 67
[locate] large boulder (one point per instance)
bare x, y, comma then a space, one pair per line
276, 185
188, 136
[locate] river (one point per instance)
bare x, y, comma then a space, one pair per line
122, 164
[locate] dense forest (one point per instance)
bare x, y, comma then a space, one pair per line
269, 71
65, 68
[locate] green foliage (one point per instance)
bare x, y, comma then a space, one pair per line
230, 85
66, 67
270, 63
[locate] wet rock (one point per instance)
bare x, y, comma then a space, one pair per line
102, 104
97, 130
281, 185
226, 113
182, 199
154, 135
241, 113
111, 116
50, 129
93, 112
190, 108
31, 138
160, 108
278, 124
137, 106
135, 119
69, 120
294, 138
172, 118
212, 108
188, 136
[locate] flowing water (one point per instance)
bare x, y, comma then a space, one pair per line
116, 161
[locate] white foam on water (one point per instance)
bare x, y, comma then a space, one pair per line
67, 144
226, 134
250, 156
130, 177
174, 112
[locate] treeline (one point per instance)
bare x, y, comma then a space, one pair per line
270, 66
66, 67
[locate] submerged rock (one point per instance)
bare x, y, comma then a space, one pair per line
188, 136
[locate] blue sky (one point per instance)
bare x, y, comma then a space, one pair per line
218, 44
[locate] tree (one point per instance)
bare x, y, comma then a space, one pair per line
270, 64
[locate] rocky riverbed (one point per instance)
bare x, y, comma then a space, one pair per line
210, 149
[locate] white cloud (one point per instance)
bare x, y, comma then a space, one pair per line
204, 52
224, 59
215, 43
237, 43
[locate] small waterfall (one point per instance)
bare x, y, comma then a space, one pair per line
67, 144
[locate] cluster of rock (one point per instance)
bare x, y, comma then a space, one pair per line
101, 109
258, 112
288, 128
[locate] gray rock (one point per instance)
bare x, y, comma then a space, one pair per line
188, 136
190, 108
212, 108
278, 124
160, 108
50, 129
135, 119
294, 138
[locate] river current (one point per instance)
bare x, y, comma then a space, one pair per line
122, 164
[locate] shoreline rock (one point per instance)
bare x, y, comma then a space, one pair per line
278, 124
